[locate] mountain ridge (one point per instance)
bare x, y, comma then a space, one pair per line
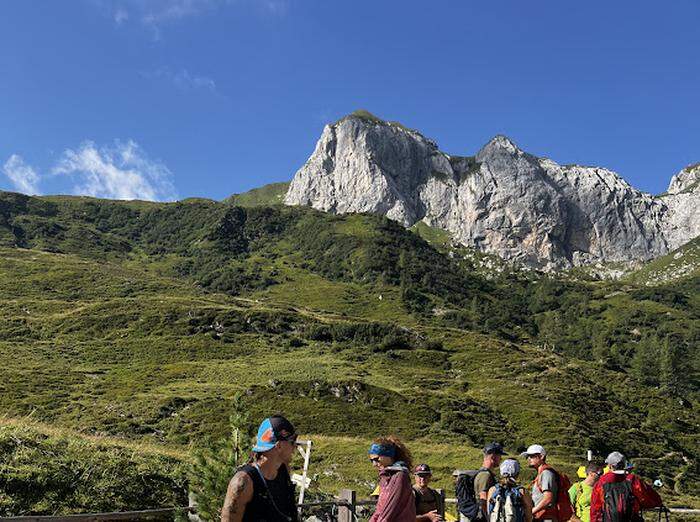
503, 200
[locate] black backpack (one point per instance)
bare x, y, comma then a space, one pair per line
618, 502
467, 502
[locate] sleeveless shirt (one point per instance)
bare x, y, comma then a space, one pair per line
261, 508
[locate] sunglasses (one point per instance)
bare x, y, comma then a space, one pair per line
374, 459
291, 438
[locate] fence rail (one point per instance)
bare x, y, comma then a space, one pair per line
347, 505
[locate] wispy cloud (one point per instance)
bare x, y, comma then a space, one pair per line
120, 15
276, 7
23, 177
121, 171
183, 80
154, 15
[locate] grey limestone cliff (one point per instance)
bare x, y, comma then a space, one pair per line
502, 201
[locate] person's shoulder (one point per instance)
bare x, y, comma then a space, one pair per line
244, 471
633, 478
484, 474
241, 480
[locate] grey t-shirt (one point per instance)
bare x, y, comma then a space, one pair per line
548, 482
483, 482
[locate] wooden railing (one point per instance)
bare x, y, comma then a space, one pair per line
346, 508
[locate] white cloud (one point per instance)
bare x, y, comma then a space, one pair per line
155, 14
183, 80
276, 7
122, 171
120, 15
159, 11
23, 177
152, 14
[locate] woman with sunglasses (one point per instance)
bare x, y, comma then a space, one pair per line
392, 460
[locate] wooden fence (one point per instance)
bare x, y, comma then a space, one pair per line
346, 506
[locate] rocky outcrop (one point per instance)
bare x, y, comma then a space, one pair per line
682, 200
502, 201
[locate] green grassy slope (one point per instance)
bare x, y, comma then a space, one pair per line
682, 263
139, 322
271, 194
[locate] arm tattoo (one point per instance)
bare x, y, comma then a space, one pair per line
233, 505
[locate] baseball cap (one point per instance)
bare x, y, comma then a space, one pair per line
510, 468
616, 461
272, 430
494, 448
534, 449
422, 469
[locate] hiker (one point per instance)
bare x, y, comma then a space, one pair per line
472, 486
392, 460
580, 493
262, 490
508, 501
550, 497
620, 495
427, 499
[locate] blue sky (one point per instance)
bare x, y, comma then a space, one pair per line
165, 99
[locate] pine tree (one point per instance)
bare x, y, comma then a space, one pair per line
671, 374
214, 466
601, 349
645, 361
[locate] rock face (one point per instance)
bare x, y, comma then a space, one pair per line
502, 201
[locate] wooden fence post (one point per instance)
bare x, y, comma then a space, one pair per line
346, 513
441, 502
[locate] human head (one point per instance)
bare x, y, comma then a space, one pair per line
593, 469
536, 455
423, 475
384, 451
276, 439
492, 454
510, 469
616, 462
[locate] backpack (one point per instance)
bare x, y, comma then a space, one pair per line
467, 502
618, 502
563, 503
506, 504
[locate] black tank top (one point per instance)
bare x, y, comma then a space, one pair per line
261, 508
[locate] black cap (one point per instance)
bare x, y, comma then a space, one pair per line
422, 469
494, 448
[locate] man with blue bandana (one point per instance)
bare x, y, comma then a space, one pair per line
262, 490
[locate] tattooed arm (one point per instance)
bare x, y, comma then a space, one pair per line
239, 493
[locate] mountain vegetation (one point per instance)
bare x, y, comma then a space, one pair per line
136, 326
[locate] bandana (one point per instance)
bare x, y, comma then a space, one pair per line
382, 450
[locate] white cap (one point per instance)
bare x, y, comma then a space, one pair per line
534, 449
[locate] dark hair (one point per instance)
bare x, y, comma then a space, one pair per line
402, 452
593, 467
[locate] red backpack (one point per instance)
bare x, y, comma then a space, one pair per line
563, 504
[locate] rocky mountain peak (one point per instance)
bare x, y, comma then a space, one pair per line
503, 201
499, 144
687, 180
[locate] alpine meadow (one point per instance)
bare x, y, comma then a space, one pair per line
129, 328
349, 261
